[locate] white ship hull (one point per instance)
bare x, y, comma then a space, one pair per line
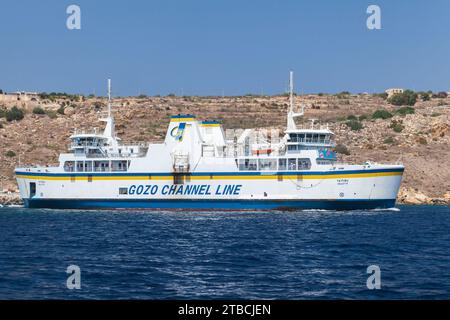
336, 190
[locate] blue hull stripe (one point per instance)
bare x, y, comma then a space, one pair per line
242, 173
209, 204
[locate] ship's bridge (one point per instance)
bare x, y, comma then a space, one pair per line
88, 143
306, 139
300, 140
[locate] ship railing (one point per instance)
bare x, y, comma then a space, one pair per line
126, 155
29, 167
84, 145
116, 155
314, 126
101, 145
130, 143
93, 131
309, 140
96, 156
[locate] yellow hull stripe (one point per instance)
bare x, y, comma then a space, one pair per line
217, 177
182, 119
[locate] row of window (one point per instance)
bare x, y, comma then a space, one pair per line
96, 142
88, 142
309, 137
274, 164
96, 166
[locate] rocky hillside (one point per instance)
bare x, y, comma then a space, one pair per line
421, 140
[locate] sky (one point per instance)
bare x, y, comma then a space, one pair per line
224, 47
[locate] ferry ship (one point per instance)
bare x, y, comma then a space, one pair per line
196, 167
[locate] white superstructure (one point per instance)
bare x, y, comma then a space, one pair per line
197, 167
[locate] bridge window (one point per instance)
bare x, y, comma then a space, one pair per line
88, 166
121, 165
80, 166
94, 153
282, 164
309, 138
315, 138
101, 166
69, 166
292, 164
301, 137
304, 164
267, 164
86, 142
293, 137
248, 164
322, 138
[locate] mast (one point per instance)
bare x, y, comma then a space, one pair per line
291, 114
109, 130
109, 98
291, 91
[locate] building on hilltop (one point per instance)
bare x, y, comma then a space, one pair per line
393, 91
19, 96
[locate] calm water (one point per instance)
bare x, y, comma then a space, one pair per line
180, 255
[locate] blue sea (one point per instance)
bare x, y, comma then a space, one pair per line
225, 255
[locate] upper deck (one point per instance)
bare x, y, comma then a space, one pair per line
192, 145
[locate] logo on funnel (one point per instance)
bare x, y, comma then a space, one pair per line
177, 132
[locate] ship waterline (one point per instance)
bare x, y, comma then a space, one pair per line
196, 167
